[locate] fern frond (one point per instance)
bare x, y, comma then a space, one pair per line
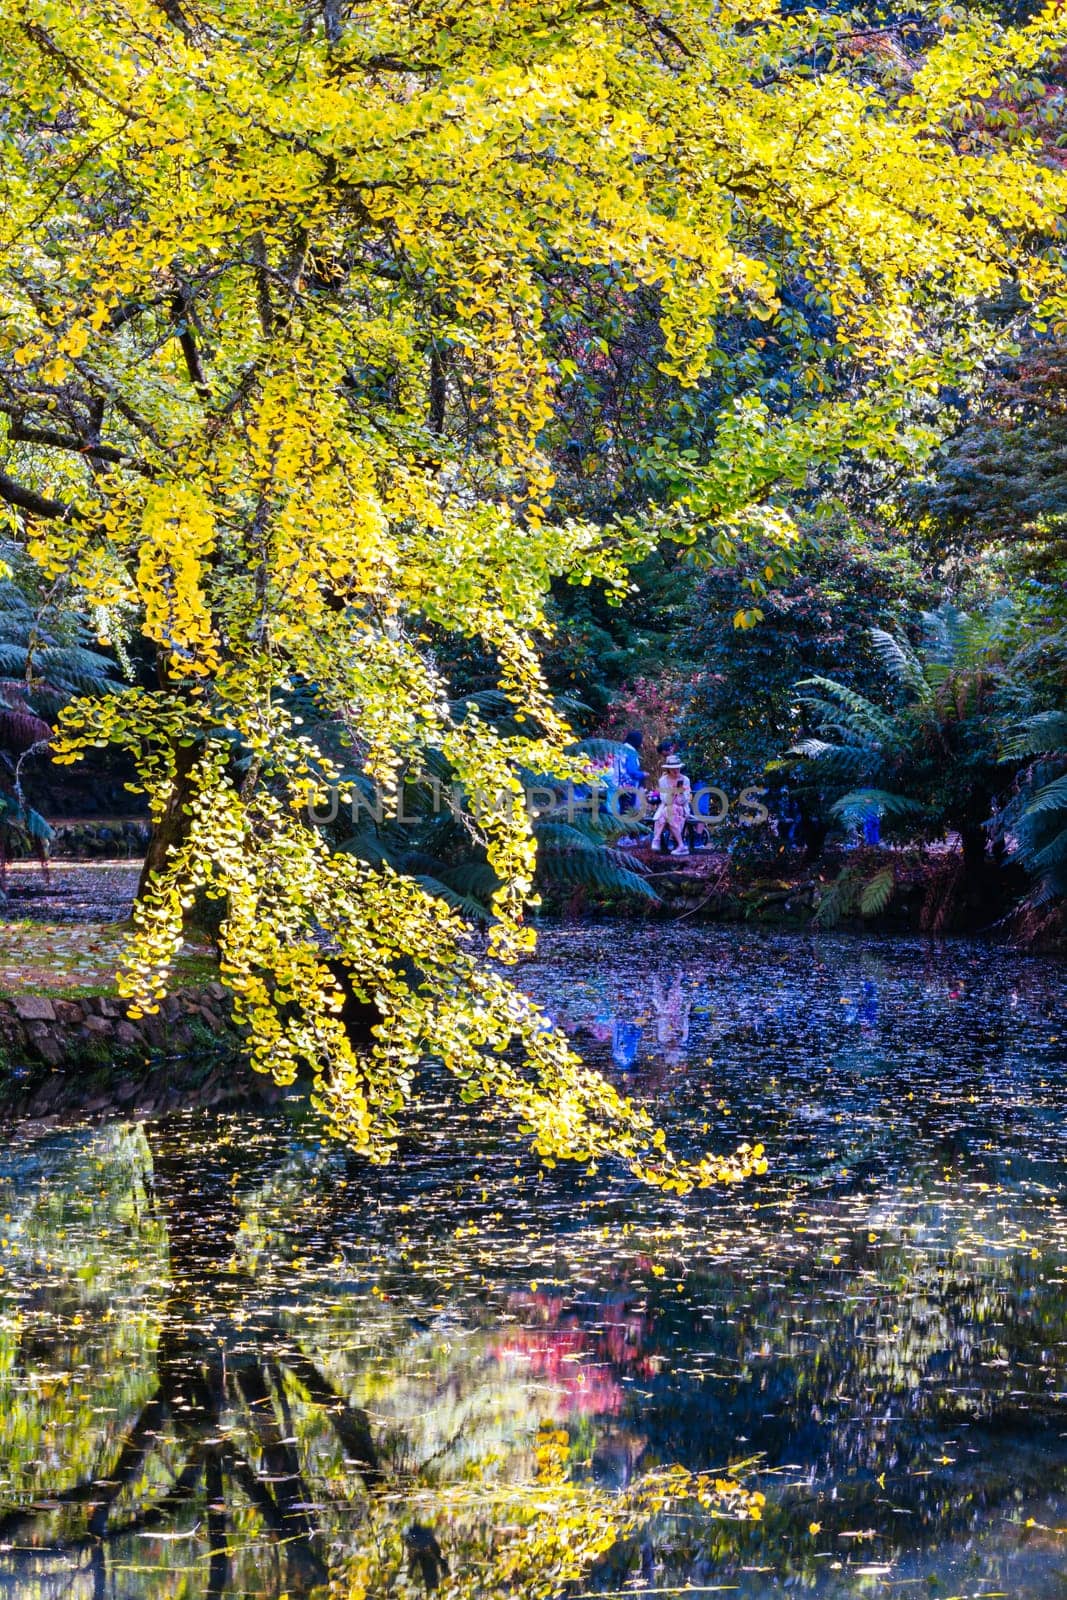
848, 762
483, 701
1048, 860
473, 878
863, 714
598, 750
595, 870
876, 893
834, 720
1042, 734
1050, 797
552, 834
21, 729
367, 846
943, 629
901, 663
861, 803
12, 659
837, 901
467, 906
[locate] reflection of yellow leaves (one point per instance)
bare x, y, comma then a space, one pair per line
814, 1528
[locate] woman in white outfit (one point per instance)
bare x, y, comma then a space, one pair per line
675, 801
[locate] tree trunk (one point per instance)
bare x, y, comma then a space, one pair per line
973, 843
173, 826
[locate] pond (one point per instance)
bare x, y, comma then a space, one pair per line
235, 1361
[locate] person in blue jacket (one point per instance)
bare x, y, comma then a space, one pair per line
628, 773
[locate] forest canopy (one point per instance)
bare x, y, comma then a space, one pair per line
306, 317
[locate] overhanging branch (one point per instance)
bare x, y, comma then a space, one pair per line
21, 434
36, 505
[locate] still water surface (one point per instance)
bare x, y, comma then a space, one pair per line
230, 1355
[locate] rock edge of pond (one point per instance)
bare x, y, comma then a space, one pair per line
51, 1046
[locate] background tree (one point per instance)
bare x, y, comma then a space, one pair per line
742, 709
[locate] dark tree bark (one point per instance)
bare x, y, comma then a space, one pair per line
438, 389
171, 830
973, 844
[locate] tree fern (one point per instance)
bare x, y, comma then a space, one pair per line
863, 718
1037, 819
596, 870
937, 753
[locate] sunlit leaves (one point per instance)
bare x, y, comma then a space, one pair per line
293, 291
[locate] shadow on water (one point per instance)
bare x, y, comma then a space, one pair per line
232, 1359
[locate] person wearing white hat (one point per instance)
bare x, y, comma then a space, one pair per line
675, 801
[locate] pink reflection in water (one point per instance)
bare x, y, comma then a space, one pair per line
584, 1362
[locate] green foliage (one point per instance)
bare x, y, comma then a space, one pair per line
1002, 476
1037, 817
45, 662
602, 643
855, 891
741, 710
932, 759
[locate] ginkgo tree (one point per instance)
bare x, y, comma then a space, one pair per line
280, 294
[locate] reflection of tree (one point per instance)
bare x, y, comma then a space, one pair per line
219, 1414
556, 1343
879, 1317
240, 1429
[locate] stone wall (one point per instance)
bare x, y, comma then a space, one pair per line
39, 1030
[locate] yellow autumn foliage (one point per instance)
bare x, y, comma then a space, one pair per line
278, 284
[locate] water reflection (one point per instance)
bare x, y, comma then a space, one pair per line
224, 1371
232, 1361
